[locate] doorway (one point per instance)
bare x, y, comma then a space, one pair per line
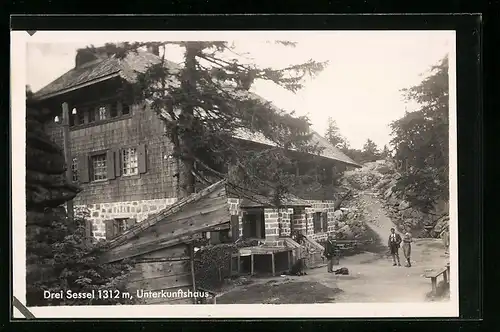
254, 226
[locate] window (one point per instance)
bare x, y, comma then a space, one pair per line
115, 227
320, 221
113, 110
74, 169
92, 115
120, 225
80, 117
129, 162
125, 109
99, 167
72, 120
102, 113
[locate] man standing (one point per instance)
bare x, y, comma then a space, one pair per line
394, 243
330, 248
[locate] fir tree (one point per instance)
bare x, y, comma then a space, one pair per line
420, 140
206, 101
333, 135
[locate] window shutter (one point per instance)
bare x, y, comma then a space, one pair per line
324, 216
131, 222
142, 160
83, 169
110, 167
235, 228
110, 229
118, 162
88, 229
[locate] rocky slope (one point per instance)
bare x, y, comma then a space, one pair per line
379, 178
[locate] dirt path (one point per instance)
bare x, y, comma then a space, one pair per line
372, 277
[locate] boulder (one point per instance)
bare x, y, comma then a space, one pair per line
403, 205
338, 214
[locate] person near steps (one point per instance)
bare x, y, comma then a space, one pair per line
394, 243
407, 248
330, 252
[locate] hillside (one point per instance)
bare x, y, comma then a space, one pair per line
379, 178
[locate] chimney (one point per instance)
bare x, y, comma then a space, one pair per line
84, 56
154, 49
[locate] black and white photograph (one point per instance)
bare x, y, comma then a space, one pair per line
292, 174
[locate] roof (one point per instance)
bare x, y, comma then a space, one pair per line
173, 225
127, 68
327, 149
99, 70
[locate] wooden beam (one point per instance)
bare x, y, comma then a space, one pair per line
67, 156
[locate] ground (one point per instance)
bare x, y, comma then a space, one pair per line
372, 278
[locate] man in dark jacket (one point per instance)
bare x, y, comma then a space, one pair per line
330, 251
394, 243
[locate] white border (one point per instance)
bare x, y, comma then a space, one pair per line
19, 40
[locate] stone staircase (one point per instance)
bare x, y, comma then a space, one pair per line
312, 251
315, 251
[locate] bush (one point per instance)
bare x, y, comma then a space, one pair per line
213, 263
62, 258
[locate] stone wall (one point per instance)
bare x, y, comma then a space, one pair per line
279, 221
234, 210
272, 226
285, 220
320, 206
139, 210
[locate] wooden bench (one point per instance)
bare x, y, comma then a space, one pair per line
433, 275
213, 295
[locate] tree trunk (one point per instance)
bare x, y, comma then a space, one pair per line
188, 83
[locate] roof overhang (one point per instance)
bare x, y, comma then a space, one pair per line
76, 87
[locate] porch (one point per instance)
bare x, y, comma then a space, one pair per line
262, 260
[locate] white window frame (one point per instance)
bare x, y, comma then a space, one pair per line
130, 162
102, 113
99, 162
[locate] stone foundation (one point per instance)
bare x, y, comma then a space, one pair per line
138, 210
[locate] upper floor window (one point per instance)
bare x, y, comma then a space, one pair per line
99, 167
102, 113
130, 162
89, 114
112, 163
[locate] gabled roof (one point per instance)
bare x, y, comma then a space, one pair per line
99, 70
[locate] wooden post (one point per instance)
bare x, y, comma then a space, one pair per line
273, 266
434, 285
238, 258
67, 156
191, 260
251, 264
